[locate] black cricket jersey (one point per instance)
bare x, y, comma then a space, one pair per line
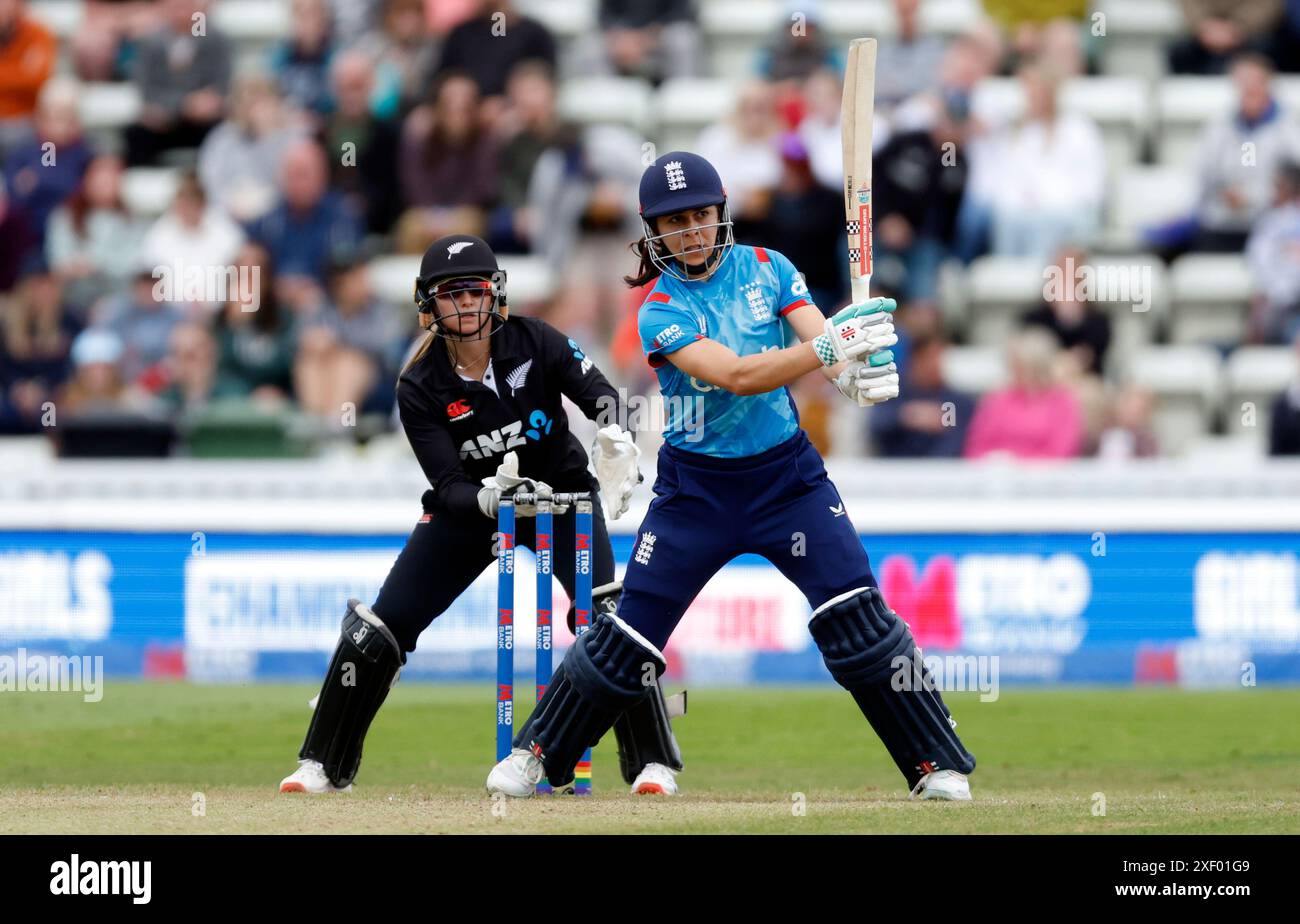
461, 430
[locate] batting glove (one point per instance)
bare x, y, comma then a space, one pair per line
870, 382
857, 331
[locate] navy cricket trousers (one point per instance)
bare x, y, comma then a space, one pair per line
707, 510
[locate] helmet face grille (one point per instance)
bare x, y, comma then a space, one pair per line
671, 265
445, 299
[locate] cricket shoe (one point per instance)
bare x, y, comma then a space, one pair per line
943, 784
655, 780
310, 778
517, 775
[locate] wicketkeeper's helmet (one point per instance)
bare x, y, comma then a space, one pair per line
453, 265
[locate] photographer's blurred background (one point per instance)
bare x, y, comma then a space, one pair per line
327, 143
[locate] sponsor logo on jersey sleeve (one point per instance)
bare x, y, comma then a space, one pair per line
579, 355
669, 335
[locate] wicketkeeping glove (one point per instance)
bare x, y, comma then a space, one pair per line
870, 382
857, 331
614, 457
507, 481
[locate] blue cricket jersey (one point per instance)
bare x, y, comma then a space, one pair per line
742, 307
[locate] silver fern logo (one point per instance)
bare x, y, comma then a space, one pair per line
517, 378
458, 247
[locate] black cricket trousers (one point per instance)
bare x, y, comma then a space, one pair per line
445, 553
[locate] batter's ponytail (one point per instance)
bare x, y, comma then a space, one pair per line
647, 272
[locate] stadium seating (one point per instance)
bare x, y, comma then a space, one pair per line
1135, 322
952, 295
110, 106
1254, 376
566, 20
1184, 105
63, 17
974, 370
1000, 289
1233, 453
530, 280
1186, 382
393, 277
1120, 107
736, 30
148, 191
1136, 35
1144, 197
600, 100
1210, 299
684, 106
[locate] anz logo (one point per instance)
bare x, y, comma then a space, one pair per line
540, 425
498, 442
504, 439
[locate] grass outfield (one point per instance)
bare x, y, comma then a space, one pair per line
1165, 761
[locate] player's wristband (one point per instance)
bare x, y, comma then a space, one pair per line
825, 350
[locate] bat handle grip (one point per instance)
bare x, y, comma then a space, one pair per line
861, 289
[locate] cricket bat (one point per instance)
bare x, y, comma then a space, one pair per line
856, 111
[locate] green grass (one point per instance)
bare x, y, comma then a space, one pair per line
1165, 761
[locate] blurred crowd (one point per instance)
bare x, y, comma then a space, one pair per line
375, 126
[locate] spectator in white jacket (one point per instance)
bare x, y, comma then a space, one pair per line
191, 233
745, 149
1239, 158
1041, 179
